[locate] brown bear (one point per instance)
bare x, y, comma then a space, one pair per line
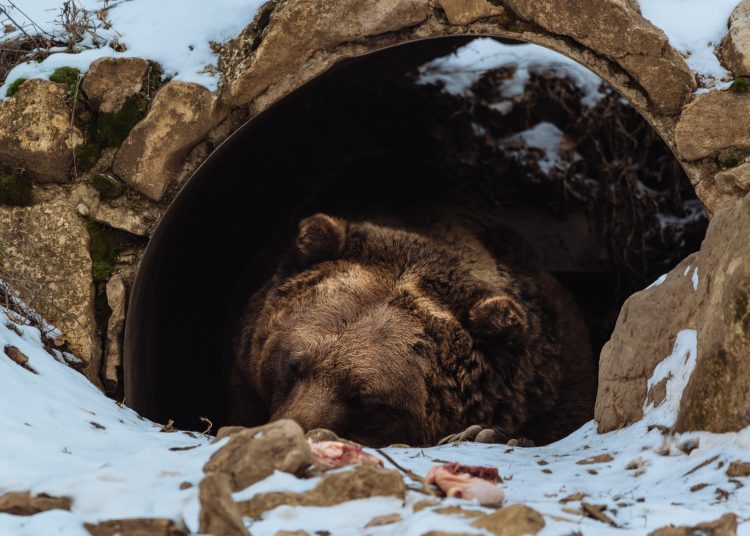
392, 335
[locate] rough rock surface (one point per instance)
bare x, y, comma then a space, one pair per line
462, 12
614, 29
738, 468
110, 81
133, 214
152, 155
717, 397
712, 297
255, 453
25, 504
736, 46
644, 335
116, 298
713, 122
363, 482
219, 513
735, 180
725, 189
296, 29
52, 271
513, 520
36, 132
724, 526
135, 527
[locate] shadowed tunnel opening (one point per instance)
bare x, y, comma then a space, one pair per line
364, 138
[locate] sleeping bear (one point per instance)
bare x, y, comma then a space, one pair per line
386, 334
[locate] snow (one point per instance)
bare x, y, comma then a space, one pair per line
63, 437
52, 442
676, 370
659, 281
277, 482
459, 71
174, 33
695, 28
545, 137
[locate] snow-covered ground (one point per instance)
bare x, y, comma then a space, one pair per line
63, 437
175, 33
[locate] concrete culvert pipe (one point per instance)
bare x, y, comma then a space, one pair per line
366, 138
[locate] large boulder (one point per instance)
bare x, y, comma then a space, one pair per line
710, 293
37, 132
717, 397
714, 122
44, 256
153, 154
109, 82
736, 45
219, 513
255, 453
362, 482
645, 333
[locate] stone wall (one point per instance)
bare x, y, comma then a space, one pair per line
109, 150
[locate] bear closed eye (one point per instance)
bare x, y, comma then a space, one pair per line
409, 336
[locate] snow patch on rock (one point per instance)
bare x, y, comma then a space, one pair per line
695, 28
177, 34
676, 370
459, 71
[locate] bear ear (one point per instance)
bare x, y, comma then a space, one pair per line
498, 316
320, 238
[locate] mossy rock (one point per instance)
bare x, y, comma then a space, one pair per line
740, 85
69, 77
113, 128
13, 87
15, 191
108, 187
104, 244
87, 155
108, 129
155, 74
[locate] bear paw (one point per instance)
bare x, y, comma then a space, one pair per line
479, 434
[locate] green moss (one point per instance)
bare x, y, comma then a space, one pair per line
740, 85
67, 76
729, 158
102, 312
104, 243
113, 128
108, 187
155, 74
87, 155
105, 129
15, 191
13, 87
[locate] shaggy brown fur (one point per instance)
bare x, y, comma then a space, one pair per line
387, 335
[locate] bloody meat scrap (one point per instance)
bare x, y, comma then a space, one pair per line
468, 482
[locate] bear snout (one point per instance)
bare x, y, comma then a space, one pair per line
311, 406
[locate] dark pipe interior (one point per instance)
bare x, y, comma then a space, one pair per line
352, 141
